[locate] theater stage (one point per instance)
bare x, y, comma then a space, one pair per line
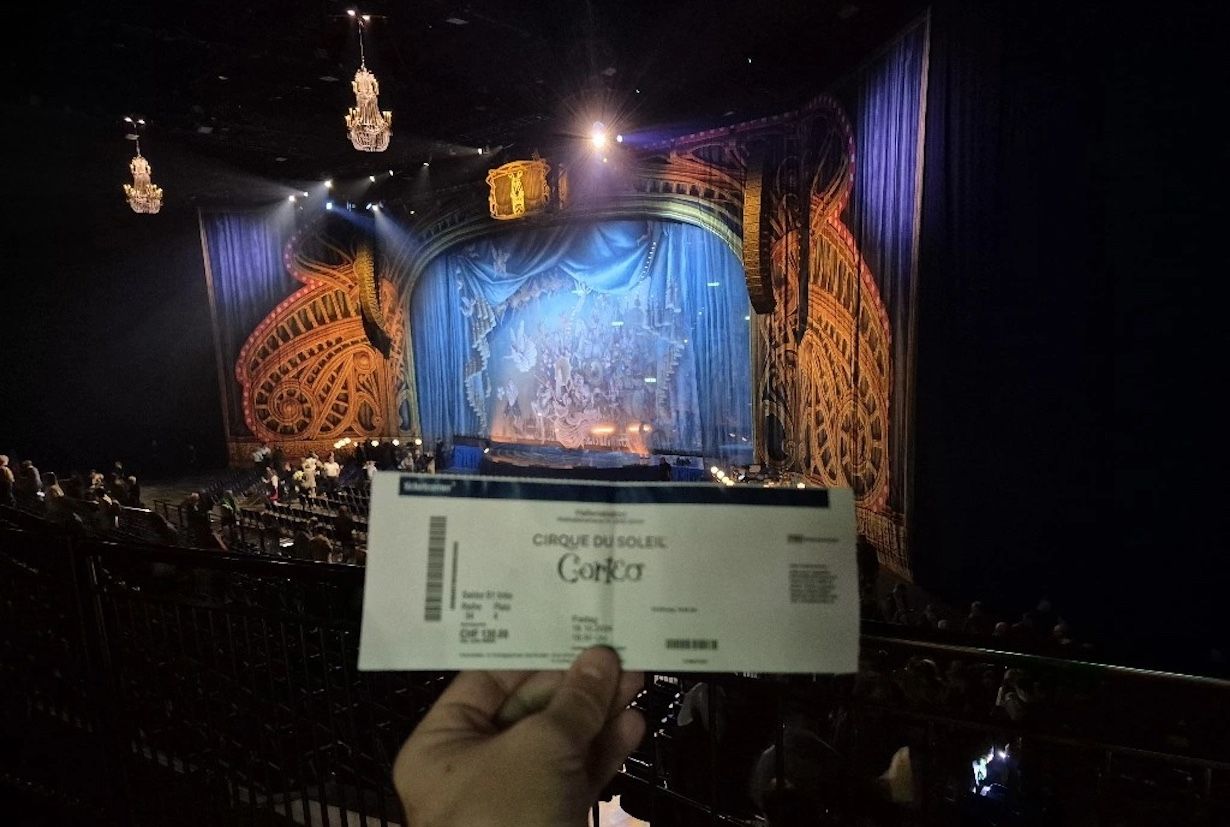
517, 459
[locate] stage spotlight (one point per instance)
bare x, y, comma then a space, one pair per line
486, 450
306, 195
375, 443
351, 12
390, 173
328, 205
713, 469
290, 198
619, 139
328, 183
371, 178
396, 442
427, 163
597, 135
800, 485
418, 441
369, 205
480, 150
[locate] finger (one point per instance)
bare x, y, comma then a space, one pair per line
611, 748
531, 696
535, 695
579, 707
472, 699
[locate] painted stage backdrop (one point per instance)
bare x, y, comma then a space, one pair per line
309, 338
613, 312
624, 335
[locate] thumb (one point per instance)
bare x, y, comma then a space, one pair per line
580, 705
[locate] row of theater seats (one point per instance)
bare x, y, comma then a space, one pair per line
286, 519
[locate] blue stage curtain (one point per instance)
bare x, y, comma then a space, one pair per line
441, 344
249, 279
695, 292
886, 106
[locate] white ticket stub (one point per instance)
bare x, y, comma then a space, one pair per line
497, 573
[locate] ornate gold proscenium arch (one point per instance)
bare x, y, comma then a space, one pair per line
310, 373
825, 376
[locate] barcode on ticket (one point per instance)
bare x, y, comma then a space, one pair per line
433, 603
691, 643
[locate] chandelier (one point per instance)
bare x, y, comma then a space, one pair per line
368, 127
143, 195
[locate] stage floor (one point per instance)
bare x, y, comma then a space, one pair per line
555, 456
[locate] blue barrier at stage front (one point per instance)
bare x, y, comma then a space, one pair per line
467, 457
682, 473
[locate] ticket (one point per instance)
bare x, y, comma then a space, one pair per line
497, 573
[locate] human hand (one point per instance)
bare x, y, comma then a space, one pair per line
527, 748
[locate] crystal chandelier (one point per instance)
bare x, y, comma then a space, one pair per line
368, 127
143, 195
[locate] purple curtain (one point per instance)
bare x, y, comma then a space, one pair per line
244, 255
885, 102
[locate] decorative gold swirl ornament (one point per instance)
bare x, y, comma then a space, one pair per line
309, 373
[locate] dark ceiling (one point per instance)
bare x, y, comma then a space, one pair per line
262, 86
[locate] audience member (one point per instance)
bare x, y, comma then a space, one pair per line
133, 499
333, 471
28, 485
343, 528
320, 547
6, 482
302, 549
229, 510
978, 622
310, 465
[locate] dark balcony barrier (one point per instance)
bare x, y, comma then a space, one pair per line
159, 686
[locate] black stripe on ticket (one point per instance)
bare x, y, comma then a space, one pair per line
642, 493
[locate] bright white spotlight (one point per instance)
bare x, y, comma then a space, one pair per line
396, 442
712, 469
328, 183
369, 205
480, 150
800, 485
290, 198
597, 135
619, 139
375, 443
350, 12
328, 205
418, 441
390, 173
427, 163
371, 178
306, 195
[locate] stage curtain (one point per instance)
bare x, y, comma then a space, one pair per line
244, 254
441, 344
886, 102
695, 294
